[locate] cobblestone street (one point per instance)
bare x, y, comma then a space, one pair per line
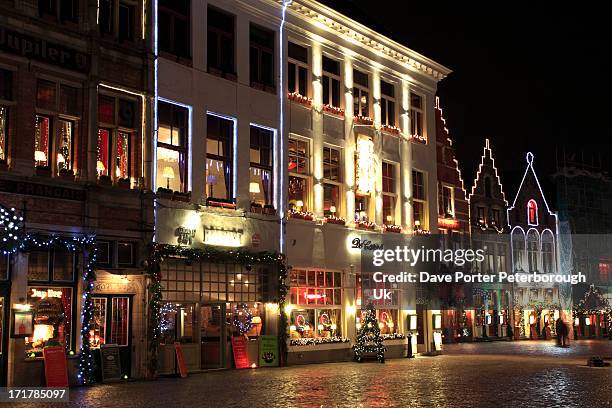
503, 374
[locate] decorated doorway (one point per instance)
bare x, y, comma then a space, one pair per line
213, 335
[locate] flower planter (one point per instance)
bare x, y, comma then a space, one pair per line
333, 110
390, 129
105, 181
269, 210
297, 98
335, 220
300, 215
220, 203
124, 184
363, 120
396, 229
184, 197
256, 208
164, 193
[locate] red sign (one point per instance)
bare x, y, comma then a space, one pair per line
255, 240
449, 223
239, 348
56, 371
181, 359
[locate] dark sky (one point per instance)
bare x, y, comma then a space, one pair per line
529, 80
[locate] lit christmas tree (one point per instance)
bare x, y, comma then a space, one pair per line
369, 339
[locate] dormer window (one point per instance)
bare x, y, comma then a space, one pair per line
532, 212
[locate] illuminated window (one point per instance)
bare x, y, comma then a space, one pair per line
533, 243
416, 115
532, 212
518, 250
387, 103
361, 100
221, 42
299, 179
261, 164
446, 204
297, 73
389, 195
331, 82
332, 169
3, 133
418, 199
219, 172
42, 140
362, 207
6, 94
548, 252
172, 147
53, 318
318, 299
261, 57
331, 199
496, 217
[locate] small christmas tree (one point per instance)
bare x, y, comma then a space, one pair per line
369, 339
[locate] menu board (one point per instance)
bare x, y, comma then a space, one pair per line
268, 351
111, 362
180, 357
56, 370
239, 348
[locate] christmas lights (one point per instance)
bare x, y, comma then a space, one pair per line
369, 339
243, 319
318, 340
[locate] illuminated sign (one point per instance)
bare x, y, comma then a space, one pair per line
223, 237
365, 165
185, 235
312, 296
37, 293
449, 223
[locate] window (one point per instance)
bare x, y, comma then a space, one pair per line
495, 217
298, 173
51, 266
63, 10
532, 213
416, 115
177, 323
331, 82
221, 42
446, 203
331, 199
4, 267
261, 164
110, 326
53, 318
261, 57
532, 250
331, 164
501, 258
104, 254
172, 147
605, 271
361, 99
389, 195
317, 296
125, 254
362, 207
105, 16
219, 157
297, 73
548, 252
480, 214
58, 111
121, 25
175, 27
115, 116
387, 103
518, 249
127, 20
419, 200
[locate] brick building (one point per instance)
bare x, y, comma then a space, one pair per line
74, 101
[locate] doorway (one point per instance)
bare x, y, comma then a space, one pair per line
112, 324
213, 335
4, 332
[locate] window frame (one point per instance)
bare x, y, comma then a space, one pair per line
420, 201
227, 160
389, 193
386, 100
328, 148
295, 65
221, 34
305, 177
330, 77
174, 15
181, 149
414, 113
260, 49
358, 93
263, 167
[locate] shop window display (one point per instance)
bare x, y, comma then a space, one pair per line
177, 323
321, 293
52, 308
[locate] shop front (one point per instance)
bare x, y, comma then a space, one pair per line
219, 274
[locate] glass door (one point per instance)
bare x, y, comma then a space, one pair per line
213, 335
111, 324
3, 333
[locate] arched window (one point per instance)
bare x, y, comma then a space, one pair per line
548, 251
533, 246
518, 249
532, 212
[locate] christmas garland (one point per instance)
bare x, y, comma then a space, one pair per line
582, 308
159, 252
14, 238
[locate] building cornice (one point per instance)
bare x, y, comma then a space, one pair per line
353, 31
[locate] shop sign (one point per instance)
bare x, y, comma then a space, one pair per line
42, 50
41, 190
56, 370
239, 349
48, 293
449, 223
111, 362
185, 235
268, 351
223, 237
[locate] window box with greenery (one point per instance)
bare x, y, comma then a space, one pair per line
124, 183
393, 228
363, 120
185, 197
333, 110
256, 208
105, 181
269, 209
331, 219
43, 171
301, 215
298, 98
390, 129
366, 225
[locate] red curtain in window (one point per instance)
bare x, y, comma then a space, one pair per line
103, 153
64, 335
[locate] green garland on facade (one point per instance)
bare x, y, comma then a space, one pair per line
582, 308
208, 254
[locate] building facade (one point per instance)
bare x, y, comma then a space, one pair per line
492, 313
74, 108
535, 249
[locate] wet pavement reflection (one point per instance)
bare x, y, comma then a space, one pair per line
502, 374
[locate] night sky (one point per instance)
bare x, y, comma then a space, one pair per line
528, 80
